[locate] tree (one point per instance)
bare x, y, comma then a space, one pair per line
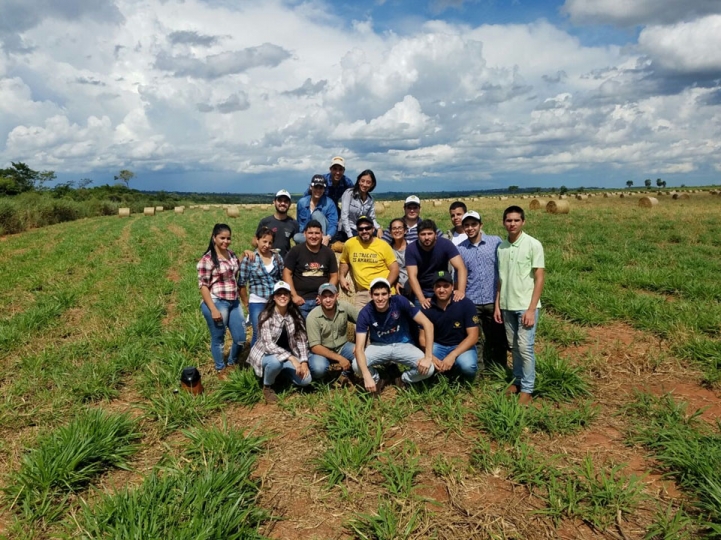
563, 190
629, 183
663, 183
20, 178
647, 182
660, 182
512, 189
124, 176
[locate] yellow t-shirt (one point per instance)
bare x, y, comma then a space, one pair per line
367, 262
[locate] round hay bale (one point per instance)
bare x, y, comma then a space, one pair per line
123, 212
158, 208
606, 195
562, 197
437, 203
149, 211
205, 207
682, 196
232, 211
580, 197
647, 202
386, 204
504, 198
537, 204
380, 208
179, 209
558, 207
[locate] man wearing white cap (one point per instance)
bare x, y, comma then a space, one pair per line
336, 180
388, 322
412, 217
283, 225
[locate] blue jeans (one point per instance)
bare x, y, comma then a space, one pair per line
254, 309
319, 216
466, 364
272, 368
307, 307
521, 339
319, 365
233, 320
405, 354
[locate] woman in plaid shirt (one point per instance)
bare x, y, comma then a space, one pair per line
260, 272
217, 280
282, 346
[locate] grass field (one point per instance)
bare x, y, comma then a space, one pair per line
624, 440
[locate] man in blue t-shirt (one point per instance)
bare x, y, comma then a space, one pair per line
429, 255
455, 326
387, 321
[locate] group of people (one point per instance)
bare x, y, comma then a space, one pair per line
424, 300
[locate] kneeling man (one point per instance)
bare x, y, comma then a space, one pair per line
327, 327
455, 324
387, 321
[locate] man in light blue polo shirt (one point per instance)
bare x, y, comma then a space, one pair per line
478, 252
521, 274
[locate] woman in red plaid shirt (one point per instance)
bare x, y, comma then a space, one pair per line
218, 283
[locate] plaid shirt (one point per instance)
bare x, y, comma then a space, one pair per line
222, 281
259, 281
268, 335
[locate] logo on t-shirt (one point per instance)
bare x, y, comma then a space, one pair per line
456, 324
476, 319
395, 314
313, 269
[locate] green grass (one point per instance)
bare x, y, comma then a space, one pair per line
388, 522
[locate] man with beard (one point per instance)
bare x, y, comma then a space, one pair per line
426, 257
308, 266
386, 322
367, 257
284, 226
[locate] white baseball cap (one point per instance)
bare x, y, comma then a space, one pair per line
379, 281
412, 200
283, 193
281, 286
337, 161
471, 214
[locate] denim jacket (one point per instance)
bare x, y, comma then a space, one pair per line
325, 205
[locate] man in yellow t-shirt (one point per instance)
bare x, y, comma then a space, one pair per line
367, 257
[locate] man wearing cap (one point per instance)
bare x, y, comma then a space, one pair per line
478, 252
308, 266
412, 217
336, 180
327, 326
367, 257
318, 207
427, 256
386, 322
455, 326
284, 226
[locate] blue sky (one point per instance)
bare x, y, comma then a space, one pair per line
255, 96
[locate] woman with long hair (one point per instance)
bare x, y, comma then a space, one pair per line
398, 230
260, 273
218, 283
356, 202
282, 346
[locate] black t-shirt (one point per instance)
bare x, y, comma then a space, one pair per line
310, 270
284, 230
283, 340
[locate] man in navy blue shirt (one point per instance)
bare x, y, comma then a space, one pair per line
478, 252
336, 181
387, 321
426, 257
455, 326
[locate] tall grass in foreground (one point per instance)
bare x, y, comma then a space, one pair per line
67, 460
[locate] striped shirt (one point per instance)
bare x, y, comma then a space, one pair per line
260, 281
268, 334
221, 280
411, 234
480, 260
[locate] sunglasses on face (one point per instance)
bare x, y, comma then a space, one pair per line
365, 229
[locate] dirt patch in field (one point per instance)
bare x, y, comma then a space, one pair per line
177, 231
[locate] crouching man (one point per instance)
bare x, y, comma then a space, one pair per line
455, 324
327, 327
386, 321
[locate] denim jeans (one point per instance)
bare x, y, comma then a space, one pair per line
254, 309
522, 340
233, 320
307, 307
466, 364
492, 336
319, 365
319, 216
273, 368
405, 354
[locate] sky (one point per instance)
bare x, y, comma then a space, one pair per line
250, 96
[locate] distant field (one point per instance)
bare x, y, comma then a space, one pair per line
624, 441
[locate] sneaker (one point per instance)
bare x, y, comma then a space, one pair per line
222, 374
525, 398
400, 383
270, 395
511, 390
343, 381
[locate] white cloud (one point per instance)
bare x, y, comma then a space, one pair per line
637, 12
685, 47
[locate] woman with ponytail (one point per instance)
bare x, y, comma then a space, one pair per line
218, 283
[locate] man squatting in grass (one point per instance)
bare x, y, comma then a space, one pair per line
521, 273
327, 328
284, 226
387, 321
426, 257
367, 257
455, 326
478, 252
457, 234
317, 207
307, 266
